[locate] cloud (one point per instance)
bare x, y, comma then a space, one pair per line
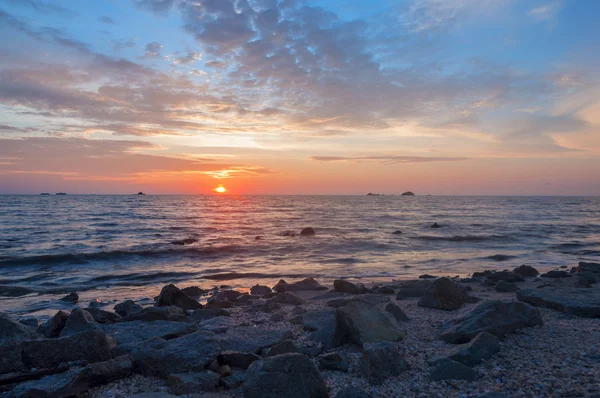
198, 72
44, 7
386, 159
545, 12
156, 6
107, 20
153, 50
215, 64
188, 59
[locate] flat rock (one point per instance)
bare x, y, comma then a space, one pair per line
445, 294
193, 383
79, 321
251, 339
508, 276
286, 298
587, 266
171, 313
483, 346
373, 299
322, 325
136, 331
259, 290
287, 375
359, 322
305, 284
381, 361
557, 274
219, 324
447, 369
575, 301
13, 332
208, 313
172, 295
493, 316
412, 288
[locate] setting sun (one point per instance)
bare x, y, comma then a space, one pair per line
220, 189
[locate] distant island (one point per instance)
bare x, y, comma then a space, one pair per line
375, 194
408, 193
45, 194
141, 193
61, 193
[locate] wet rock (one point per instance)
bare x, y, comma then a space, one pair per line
218, 324
286, 298
308, 231
76, 381
447, 369
574, 301
264, 306
208, 313
71, 298
435, 225
427, 276
526, 271
556, 274
505, 275
193, 383
333, 361
32, 322
149, 314
259, 290
343, 286
506, 287
359, 322
194, 291
445, 294
79, 321
102, 316
172, 295
281, 286
136, 331
385, 290
396, 312
251, 339
322, 325
237, 359
397, 232
13, 332
289, 234
305, 284
287, 375
245, 299
381, 361
352, 392
54, 325
493, 316
590, 267
483, 346
128, 308
586, 278
413, 288
91, 346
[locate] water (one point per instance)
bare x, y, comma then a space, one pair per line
117, 247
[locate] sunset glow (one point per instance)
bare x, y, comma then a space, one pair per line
220, 189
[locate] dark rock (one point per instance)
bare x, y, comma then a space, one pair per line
233, 381
445, 294
208, 313
286, 298
435, 225
352, 392
373, 299
218, 324
79, 321
507, 276
574, 301
281, 286
13, 332
154, 395
333, 361
483, 346
128, 308
308, 231
193, 383
427, 276
264, 306
260, 290
397, 232
54, 325
343, 286
277, 317
556, 274
71, 298
587, 278
237, 359
590, 267
413, 288
408, 193
194, 291
305, 284
289, 234
136, 331
563, 267
245, 299
359, 322
284, 347
447, 369
251, 339
287, 375
385, 290
11, 359
91, 346
170, 313
397, 312
322, 325
32, 322
172, 295
493, 316
506, 287
382, 360
526, 271
102, 316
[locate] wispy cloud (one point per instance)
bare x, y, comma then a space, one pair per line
545, 12
387, 159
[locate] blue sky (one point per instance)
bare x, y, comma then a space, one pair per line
298, 96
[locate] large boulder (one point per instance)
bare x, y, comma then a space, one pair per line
447, 369
286, 298
506, 287
575, 301
308, 231
483, 346
208, 313
359, 322
322, 325
102, 316
445, 294
172, 295
13, 332
128, 308
505, 275
252, 339
305, 284
493, 316
91, 346
260, 290
136, 331
526, 271
396, 312
54, 325
381, 361
587, 266
412, 288
79, 321
342, 286
170, 313
287, 375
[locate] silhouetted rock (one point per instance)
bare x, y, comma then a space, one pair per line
427, 276
556, 274
580, 302
128, 308
586, 278
397, 312
172, 295
381, 361
287, 375
412, 288
183, 242
71, 298
171, 313
321, 323
194, 291
13, 332
259, 290
483, 346
493, 316
506, 287
79, 321
237, 359
447, 369
507, 276
54, 325
526, 271
408, 193
286, 298
304, 284
307, 231
397, 232
102, 316
435, 225
281, 286
590, 267
359, 322
343, 286
445, 294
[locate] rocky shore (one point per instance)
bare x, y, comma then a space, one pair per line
510, 333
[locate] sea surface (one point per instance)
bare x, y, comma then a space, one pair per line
112, 248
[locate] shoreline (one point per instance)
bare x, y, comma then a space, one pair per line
559, 357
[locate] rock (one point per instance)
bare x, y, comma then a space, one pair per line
233, 381
359, 323
447, 369
385, 290
380, 361
277, 317
11, 359
281, 286
308, 231
587, 278
435, 225
482, 274
76, 381
172, 295
79, 321
251, 339
91, 346
54, 325
102, 316
506, 287
194, 291
218, 324
507, 276
373, 299
149, 314
526, 271
413, 288
259, 290
493, 316
245, 299
483, 346
287, 375
32, 322
352, 392
156, 395
397, 312
397, 232
574, 301
208, 313
333, 361
556, 274
264, 306
445, 294
408, 193
71, 298
322, 325
128, 308
590, 267
193, 383
13, 332
286, 298
136, 331
237, 359
427, 276
343, 286
284, 347
223, 296
305, 284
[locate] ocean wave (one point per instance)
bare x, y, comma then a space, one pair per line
247, 275
463, 238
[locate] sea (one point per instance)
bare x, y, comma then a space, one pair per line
115, 247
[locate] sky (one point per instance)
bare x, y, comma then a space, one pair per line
442, 97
